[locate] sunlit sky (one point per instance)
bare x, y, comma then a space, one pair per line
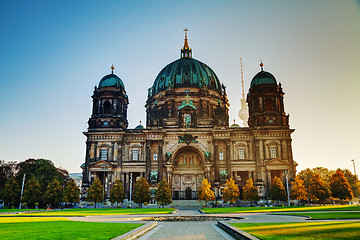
53, 53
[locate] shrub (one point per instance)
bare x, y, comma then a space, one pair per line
146, 203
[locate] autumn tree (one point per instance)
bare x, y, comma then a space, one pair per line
11, 192
32, 193
250, 192
95, 192
298, 190
71, 192
54, 194
353, 181
141, 191
277, 190
231, 191
318, 190
117, 193
339, 186
205, 193
163, 193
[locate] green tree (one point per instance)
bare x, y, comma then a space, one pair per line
117, 193
339, 186
353, 181
318, 190
54, 194
231, 191
298, 190
72, 192
277, 190
7, 171
32, 193
163, 193
141, 191
250, 192
205, 193
95, 192
11, 192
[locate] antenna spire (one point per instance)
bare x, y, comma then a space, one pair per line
112, 69
242, 79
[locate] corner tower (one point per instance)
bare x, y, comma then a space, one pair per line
266, 102
110, 104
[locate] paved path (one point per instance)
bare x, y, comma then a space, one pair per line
186, 231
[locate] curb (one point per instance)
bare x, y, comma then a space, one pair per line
133, 234
235, 232
175, 211
201, 211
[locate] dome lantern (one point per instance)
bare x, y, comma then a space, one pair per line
186, 50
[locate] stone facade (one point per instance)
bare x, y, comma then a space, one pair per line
187, 136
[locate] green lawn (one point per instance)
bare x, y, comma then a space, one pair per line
283, 209
18, 210
327, 215
96, 211
64, 230
307, 230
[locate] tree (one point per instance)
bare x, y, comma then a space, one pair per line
11, 192
117, 193
298, 190
32, 193
205, 193
353, 181
318, 189
7, 171
339, 186
72, 192
95, 192
250, 192
277, 190
231, 191
142, 191
54, 194
307, 174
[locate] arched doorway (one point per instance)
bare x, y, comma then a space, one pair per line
188, 173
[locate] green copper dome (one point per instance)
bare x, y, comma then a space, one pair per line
185, 72
263, 78
111, 80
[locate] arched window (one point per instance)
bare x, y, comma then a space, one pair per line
107, 107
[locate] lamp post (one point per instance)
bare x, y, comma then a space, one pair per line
287, 187
130, 187
354, 166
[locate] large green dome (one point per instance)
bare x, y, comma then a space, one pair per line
111, 80
185, 72
263, 78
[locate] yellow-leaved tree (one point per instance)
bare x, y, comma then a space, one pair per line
250, 192
231, 191
298, 190
205, 193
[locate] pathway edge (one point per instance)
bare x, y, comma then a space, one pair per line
235, 232
133, 234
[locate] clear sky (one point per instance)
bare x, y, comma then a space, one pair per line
53, 53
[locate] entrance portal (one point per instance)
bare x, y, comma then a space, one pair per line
188, 193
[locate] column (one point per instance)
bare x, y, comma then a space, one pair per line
216, 160
85, 180
228, 160
148, 159
160, 160
95, 152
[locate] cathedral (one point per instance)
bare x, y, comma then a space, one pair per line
187, 136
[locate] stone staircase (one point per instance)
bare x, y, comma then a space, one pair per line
188, 204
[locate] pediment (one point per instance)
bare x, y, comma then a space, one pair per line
101, 164
276, 162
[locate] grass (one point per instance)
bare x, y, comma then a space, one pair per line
95, 212
308, 230
282, 209
55, 228
18, 210
328, 215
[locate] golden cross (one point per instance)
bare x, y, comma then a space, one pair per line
187, 98
185, 30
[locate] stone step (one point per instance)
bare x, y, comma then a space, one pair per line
188, 204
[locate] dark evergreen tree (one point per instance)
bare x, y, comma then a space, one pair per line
54, 194
11, 193
163, 193
277, 190
71, 192
141, 191
95, 192
117, 193
32, 193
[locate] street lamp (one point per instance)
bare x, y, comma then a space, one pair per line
287, 187
130, 187
354, 166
